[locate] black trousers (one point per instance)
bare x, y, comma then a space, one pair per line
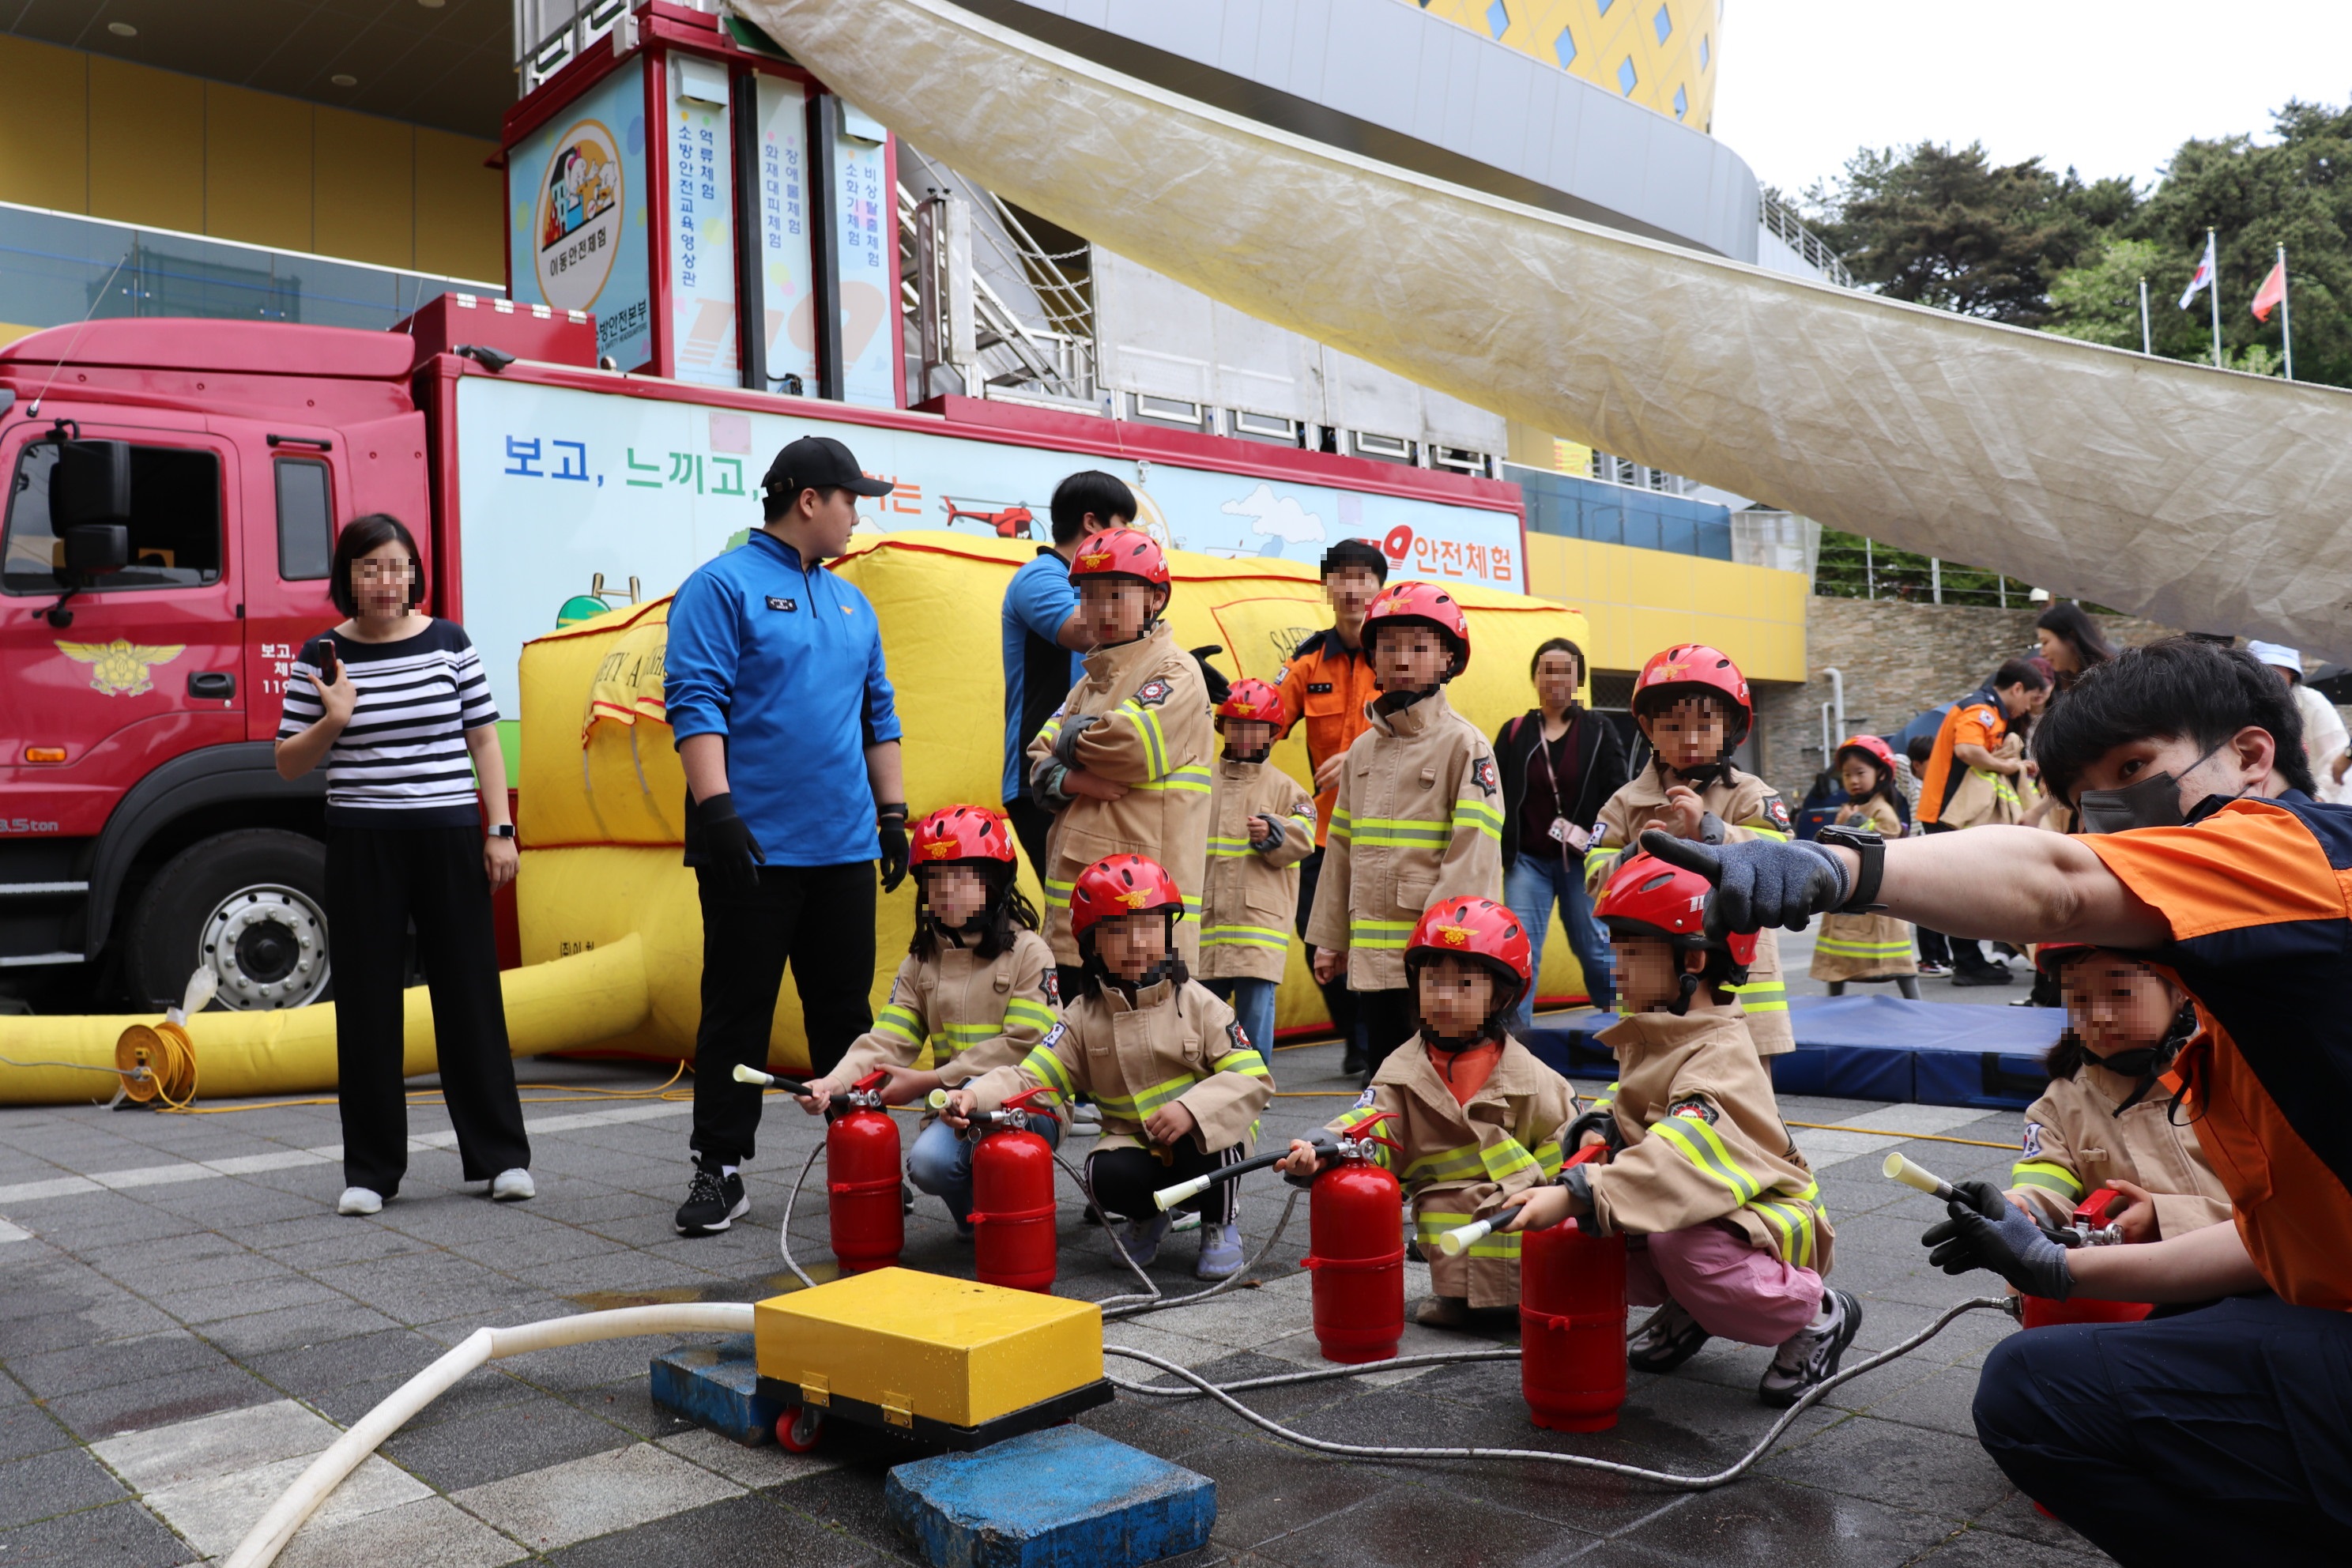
379, 879
1031, 823
1125, 1179
1961, 953
2214, 1436
1390, 1018
820, 919
1338, 1000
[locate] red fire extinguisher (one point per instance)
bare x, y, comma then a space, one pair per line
1573, 1323
1356, 1247
1013, 1210
861, 1161
2090, 1229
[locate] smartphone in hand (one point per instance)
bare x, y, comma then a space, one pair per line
329, 670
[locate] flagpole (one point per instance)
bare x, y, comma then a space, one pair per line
2144, 340
2213, 294
2286, 316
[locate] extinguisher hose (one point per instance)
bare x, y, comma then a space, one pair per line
784, 1235
1669, 1479
1320, 1373
1150, 1299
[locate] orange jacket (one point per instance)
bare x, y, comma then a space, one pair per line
1330, 688
1975, 719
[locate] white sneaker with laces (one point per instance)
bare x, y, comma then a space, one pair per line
514, 1185
1811, 1356
358, 1201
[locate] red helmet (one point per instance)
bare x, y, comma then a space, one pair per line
956, 833
1467, 927
1690, 668
1426, 603
1121, 884
1870, 746
1647, 897
1122, 553
1252, 700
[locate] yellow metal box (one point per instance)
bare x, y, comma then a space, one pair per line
949, 1351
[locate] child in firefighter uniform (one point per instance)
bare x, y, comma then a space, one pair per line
1180, 1085
1691, 704
1261, 826
1725, 1233
1481, 1120
1124, 764
2105, 1120
1867, 947
1418, 815
977, 991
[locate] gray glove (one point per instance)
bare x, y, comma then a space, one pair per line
2010, 1244
1759, 882
1072, 728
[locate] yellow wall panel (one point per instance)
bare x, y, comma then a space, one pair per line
364, 188
146, 145
460, 218
44, 126
257, 168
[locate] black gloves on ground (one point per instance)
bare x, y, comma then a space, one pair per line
892, 825
1988, 1231
1759, 882
726, 844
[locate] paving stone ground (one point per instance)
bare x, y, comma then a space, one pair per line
185, 1320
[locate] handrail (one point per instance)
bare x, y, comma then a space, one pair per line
1786, 226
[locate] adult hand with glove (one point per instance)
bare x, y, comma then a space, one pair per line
1988, 1232
891, 825
728, 847
1762, 882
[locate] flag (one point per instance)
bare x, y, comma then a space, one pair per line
2274, 290
2202, 278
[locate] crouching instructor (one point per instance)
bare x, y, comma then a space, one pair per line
2217, 1430
783, 710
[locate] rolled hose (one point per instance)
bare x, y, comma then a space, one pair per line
267, 1538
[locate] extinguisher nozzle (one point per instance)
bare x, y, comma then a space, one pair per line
1169, 1197
1455, 1242
938, 1100
752, 1075
1898, 1169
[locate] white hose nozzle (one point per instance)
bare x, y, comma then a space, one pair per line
1169, 1197
203, 986
937, 1099
1462, 1238
752, 1075
1899, 1169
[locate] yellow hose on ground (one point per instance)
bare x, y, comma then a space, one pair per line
559, 1005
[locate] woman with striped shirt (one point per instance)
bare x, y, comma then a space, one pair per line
395, 705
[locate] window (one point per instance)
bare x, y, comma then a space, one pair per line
1682, 102
1499, 18
306, 520
1565, 47
1704, 51
175, 523
1628, 79
1604, 6
1663, 23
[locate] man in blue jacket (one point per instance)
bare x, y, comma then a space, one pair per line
785, 722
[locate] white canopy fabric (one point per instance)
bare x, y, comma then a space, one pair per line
2199, 498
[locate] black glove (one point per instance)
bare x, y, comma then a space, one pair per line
1210, 676
2011, 1245
727, 846
1760, 882
892, 825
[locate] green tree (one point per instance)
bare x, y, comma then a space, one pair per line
2099, 303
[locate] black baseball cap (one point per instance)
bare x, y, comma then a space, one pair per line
816, 463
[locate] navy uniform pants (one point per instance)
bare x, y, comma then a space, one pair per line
2219, 1435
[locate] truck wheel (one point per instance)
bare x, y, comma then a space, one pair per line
250, 903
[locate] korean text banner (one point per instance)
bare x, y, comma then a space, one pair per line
576, 217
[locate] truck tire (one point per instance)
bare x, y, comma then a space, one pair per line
253, 904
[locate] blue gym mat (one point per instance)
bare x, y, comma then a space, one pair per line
1871, 1047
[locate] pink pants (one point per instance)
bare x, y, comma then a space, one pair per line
1734, 1290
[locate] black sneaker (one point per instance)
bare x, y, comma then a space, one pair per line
1990, 974
713, 1203
1811, 1356
1353, 1062
1671, 1337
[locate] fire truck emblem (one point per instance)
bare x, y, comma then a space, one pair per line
120, 669
1134, 899
943, 849
1455, 936
1094, 560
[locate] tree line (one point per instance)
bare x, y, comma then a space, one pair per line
2018, 243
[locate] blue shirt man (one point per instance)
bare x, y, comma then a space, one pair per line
782, 708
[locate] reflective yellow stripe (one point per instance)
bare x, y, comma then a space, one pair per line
1042, 1063
1191, 780
1447, 1166
1230, 848
1380, 934
1139, 1106
1057, 894
1761, 831
1697, 1143
1598, 859
1487, 820
1505, 1157
1547, 1159
1603, 1101
901, 1023
2051, 1178
1429, 1224
1342, 826
1402, 831
1760, 989
1838, 948
1244, 936
1024, 1011
1147, 729
1249, 1064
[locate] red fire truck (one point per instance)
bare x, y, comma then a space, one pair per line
175, 489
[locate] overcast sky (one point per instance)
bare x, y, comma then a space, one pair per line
2108, 87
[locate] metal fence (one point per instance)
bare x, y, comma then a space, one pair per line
1851, 566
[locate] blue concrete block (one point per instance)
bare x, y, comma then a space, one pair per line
714, 1386
1062, 1497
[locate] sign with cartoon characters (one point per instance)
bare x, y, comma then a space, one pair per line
576, 221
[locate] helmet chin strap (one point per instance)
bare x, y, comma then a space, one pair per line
1689, 984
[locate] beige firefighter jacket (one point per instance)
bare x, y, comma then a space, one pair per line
1703, 1140
2074, 1144
1153, 735
1173, 1044
1419, 817
1749, 808
1253, 894
1872, 946
1462, 1161
974, 1016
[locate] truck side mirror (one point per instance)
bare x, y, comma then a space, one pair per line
92, 548
90, 484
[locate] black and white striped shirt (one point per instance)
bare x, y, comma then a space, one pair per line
402, 760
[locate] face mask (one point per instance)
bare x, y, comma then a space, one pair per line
2151, 801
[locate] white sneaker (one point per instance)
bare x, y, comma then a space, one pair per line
1085, 1119
513, 1186
358, 1201
1811, 1356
